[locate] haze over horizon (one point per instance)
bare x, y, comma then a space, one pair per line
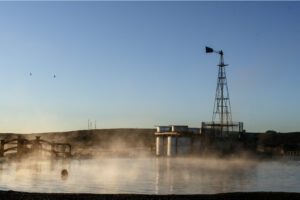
140, 64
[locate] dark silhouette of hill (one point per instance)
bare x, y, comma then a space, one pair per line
126, 141
275, 139
94, 136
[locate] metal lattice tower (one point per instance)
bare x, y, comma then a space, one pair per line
222, 119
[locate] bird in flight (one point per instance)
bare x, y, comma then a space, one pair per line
54, 76
30, 74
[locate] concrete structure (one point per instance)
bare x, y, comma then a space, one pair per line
176, 140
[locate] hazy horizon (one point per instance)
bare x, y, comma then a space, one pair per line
141, 64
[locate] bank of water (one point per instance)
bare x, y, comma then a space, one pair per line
150, 175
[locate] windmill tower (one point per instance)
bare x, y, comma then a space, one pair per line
221, 123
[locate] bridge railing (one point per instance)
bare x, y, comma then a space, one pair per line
22, 146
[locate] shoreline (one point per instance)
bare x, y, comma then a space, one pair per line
8, 195
129, 142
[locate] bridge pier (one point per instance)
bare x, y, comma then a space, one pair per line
171, 145
159, 145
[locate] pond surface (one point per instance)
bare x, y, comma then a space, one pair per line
150, 176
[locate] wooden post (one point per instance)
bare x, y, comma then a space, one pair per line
37, 143
176, 145
2, 148
192, 145
20, 145
70, 151
52, 148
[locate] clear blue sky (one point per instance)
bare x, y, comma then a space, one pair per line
140, 64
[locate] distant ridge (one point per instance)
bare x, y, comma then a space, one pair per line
96, 138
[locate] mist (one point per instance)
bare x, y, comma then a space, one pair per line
124, 161
126, 175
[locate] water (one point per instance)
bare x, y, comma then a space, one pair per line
150, 176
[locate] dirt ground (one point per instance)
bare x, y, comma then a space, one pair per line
9, 195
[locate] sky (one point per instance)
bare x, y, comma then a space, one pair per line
141, 64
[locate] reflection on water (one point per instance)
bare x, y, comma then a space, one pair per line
149, 176
202, 176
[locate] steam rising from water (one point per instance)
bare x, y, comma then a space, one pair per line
148, 175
